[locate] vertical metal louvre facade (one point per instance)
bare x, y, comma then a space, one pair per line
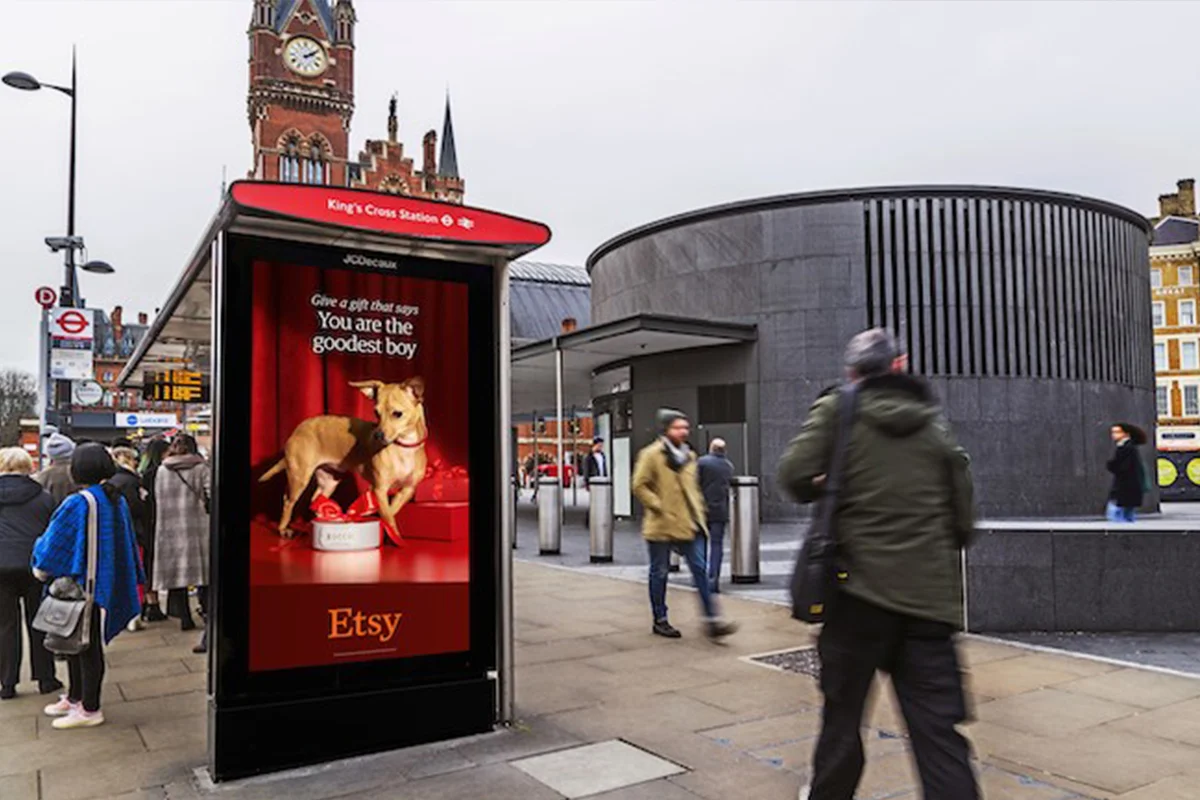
988, 285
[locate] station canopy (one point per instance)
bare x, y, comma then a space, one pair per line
181, 333
586, 351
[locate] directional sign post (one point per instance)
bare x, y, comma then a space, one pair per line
45, 297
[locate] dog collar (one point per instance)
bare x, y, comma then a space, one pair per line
418, 443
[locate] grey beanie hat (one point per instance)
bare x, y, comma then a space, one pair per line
59, 446
665, 416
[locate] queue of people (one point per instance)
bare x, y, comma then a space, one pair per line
130, 525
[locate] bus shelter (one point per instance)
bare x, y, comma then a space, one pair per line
357, 347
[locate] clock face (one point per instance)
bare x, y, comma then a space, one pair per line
305, 56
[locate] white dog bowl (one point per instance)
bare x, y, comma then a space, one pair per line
343, 536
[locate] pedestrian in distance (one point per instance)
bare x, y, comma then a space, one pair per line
62, 552
148, 465
181, 535
716, 476
902, 516
56, 478
594, 466
129, 484
1129, 483
25, 511
665, 482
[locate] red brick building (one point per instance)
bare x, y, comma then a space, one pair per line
301, 103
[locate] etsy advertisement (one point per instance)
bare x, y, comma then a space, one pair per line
360, 508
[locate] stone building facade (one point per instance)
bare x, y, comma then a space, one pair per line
301, 103
1028, 312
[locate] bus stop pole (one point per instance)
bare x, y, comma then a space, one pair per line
507, 682
560, 470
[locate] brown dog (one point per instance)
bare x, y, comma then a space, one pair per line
389, 453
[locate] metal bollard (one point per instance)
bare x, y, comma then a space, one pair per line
549, 516
600, 519
512, 509
744, 536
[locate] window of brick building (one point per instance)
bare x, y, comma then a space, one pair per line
1187, 312
1159, 313
1185, 276
1189, 357
1191, 401
1160, 356
1160, 396
1156, 279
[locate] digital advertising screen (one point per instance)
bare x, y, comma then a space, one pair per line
360, 487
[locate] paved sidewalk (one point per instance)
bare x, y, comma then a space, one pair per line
1050, 727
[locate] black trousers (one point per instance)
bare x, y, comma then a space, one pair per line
87, 668
860, 638
18, 586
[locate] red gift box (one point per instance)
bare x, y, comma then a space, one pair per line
443, 522
443, 484
441, 489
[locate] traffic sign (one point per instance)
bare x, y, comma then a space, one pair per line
45, 297
71, 323
86, 393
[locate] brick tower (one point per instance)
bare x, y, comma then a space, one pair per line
301, 97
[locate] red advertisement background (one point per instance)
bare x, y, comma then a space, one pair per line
294, 587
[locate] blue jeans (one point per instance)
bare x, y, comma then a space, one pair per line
716, 547
660, 561
1116, 513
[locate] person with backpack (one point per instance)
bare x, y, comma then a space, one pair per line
903, 512
62, 552
181, 535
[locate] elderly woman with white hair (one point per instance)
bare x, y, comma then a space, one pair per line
25, 510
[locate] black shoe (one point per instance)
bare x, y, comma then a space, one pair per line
153, 613
716, 629
8, 692
664, 628
200, 648
188, 624
50, 687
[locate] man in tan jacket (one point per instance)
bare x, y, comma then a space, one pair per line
666, 483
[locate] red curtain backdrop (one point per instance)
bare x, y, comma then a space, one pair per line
289, 383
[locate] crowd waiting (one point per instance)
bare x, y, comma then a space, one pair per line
123, 530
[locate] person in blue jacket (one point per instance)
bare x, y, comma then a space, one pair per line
62, 552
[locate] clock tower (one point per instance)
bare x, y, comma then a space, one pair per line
301, 97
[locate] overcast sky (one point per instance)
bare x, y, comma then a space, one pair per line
593, 117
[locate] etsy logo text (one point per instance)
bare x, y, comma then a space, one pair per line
347, 623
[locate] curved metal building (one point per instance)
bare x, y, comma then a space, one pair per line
1029, 312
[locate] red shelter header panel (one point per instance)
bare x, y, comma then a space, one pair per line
386, 213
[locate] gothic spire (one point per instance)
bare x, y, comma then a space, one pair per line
448, 163
393, 121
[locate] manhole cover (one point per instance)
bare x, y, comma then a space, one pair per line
802, 660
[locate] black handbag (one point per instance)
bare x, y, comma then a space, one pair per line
65, 613
816, 575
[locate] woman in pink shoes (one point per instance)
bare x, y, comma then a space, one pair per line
62, 551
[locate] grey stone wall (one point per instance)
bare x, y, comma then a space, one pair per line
811, 274
1083, 577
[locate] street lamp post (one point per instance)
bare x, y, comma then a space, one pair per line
70, 244
68, 297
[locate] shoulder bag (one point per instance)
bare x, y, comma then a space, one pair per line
65, 614
816, 573
201, 496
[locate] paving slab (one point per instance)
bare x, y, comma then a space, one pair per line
1052, 712
596, 768
22, 786
1131, 687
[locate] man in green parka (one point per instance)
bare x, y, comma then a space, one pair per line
903, 515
